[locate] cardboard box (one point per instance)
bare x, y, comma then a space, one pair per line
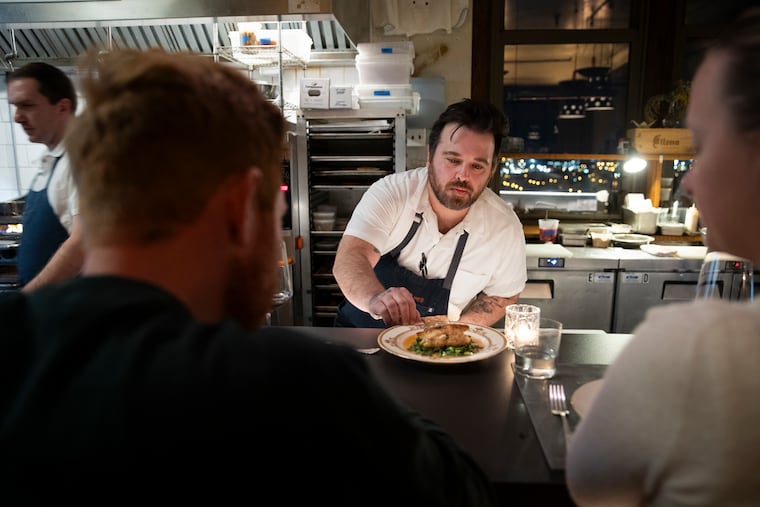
341, 97
315, 93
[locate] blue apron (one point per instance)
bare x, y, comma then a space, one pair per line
431, 294
42, 233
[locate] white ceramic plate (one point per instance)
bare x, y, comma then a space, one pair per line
583, 397
631, 240
397, 339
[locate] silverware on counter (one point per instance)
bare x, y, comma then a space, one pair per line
368, 351
558, 406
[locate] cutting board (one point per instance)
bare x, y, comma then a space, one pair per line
546, 250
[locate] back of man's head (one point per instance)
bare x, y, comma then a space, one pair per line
53, 84
159, 134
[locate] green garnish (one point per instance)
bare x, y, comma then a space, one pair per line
463, 350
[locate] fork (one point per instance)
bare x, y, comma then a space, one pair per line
558, 406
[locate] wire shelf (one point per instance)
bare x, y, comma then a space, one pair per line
262, 56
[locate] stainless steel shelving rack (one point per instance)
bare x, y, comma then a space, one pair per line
340, 154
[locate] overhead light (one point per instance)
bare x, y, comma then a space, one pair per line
572, 109
634, 164
599, 97
598, 77
599, 103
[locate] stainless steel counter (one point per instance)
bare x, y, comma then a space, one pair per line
607, 288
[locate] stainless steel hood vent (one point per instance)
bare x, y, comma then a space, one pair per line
59, 32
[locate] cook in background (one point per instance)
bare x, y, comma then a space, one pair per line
148, 376
674, 423
435, 241
50, 248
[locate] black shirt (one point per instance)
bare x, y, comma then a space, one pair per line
112, 393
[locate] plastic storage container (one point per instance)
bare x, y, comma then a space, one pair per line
383, 90
324, 224
296, 42
411, 103
384, 69
386, 48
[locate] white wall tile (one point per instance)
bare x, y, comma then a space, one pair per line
8, 188
5, 134
29, 154
5, 112
8, 195
6, 158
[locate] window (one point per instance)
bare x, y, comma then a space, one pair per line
565, 15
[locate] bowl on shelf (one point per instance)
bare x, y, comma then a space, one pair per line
323, 215
631, 240
327, 207
326, 244
324, 224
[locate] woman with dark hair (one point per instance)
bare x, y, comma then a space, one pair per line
674, 423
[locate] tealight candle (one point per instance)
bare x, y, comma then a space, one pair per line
521, 324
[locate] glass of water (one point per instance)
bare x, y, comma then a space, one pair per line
284, 290
536, 355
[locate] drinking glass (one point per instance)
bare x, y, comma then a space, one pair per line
536, 354
721, 265
520, 320
547, 229
284, 289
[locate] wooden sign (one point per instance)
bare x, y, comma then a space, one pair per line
661, 141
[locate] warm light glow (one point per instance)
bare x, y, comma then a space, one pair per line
634, 165
526, 334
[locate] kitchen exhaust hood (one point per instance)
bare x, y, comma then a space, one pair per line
59, 31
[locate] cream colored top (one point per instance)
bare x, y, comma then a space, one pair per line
677, 421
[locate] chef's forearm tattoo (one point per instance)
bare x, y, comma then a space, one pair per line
486, 304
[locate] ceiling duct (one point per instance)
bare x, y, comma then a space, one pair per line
59, 31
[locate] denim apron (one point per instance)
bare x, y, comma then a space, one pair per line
42, 233
431, 294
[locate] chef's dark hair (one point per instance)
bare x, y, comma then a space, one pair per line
52, 82
477, 116
741, 86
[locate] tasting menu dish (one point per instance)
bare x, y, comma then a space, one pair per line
448, 343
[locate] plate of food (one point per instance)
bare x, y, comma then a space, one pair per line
447, 343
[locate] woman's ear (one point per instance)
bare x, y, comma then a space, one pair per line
242, 205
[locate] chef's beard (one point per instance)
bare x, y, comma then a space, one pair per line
452, 202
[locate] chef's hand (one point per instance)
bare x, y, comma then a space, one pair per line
395, 306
